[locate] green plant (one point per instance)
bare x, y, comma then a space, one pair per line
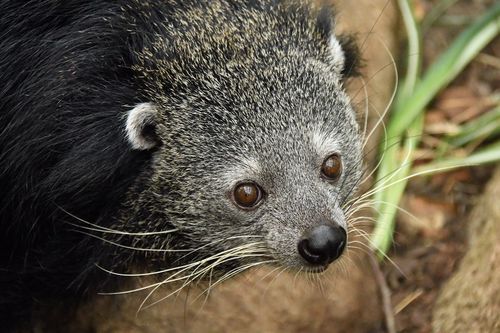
406, 119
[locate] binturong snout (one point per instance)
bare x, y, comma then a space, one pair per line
322, 244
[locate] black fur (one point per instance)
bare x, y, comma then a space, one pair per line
325, 26
353, 60
66, 82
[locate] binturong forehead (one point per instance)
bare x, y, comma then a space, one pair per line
264, 79
288, 94
294, 107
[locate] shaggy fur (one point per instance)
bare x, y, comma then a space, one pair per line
240, 90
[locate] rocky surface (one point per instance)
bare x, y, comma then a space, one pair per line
470, 301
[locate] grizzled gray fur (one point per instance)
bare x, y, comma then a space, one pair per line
253, 95
189, 138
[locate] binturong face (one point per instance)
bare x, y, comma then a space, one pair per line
255, 152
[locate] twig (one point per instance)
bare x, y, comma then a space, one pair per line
385, 294
408, 300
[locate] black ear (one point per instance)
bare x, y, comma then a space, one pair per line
343, 53
141, 126
352, 55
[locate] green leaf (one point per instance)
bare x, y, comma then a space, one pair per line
465, 47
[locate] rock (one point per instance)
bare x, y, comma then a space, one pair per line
470, 300
252, 302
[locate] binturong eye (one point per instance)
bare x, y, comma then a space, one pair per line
331, 169
247, 195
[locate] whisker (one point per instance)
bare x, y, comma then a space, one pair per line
273, 279
385, 256
236, 271
197, 275
393, 95
102, 229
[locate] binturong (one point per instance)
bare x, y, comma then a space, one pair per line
187, 139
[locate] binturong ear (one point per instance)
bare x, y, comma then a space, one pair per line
140, 127
342, 51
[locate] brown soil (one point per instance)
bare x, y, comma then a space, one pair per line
424, 257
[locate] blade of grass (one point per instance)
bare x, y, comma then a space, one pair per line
436, 11
486, 155
388, 208
390, 169
408, 113
464, 48
483, 126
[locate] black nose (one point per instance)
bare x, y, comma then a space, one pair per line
323, 244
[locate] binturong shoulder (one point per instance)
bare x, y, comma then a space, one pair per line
133, 132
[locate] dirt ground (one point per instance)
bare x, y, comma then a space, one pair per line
425, 256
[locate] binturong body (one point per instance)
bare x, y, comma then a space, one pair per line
194, 139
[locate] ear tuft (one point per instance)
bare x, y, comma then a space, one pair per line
140, 126
352, 56
343, 53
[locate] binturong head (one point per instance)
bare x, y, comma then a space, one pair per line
255, 146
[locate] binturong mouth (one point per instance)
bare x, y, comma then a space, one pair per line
322, 245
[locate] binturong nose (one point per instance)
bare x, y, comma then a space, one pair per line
322, 244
